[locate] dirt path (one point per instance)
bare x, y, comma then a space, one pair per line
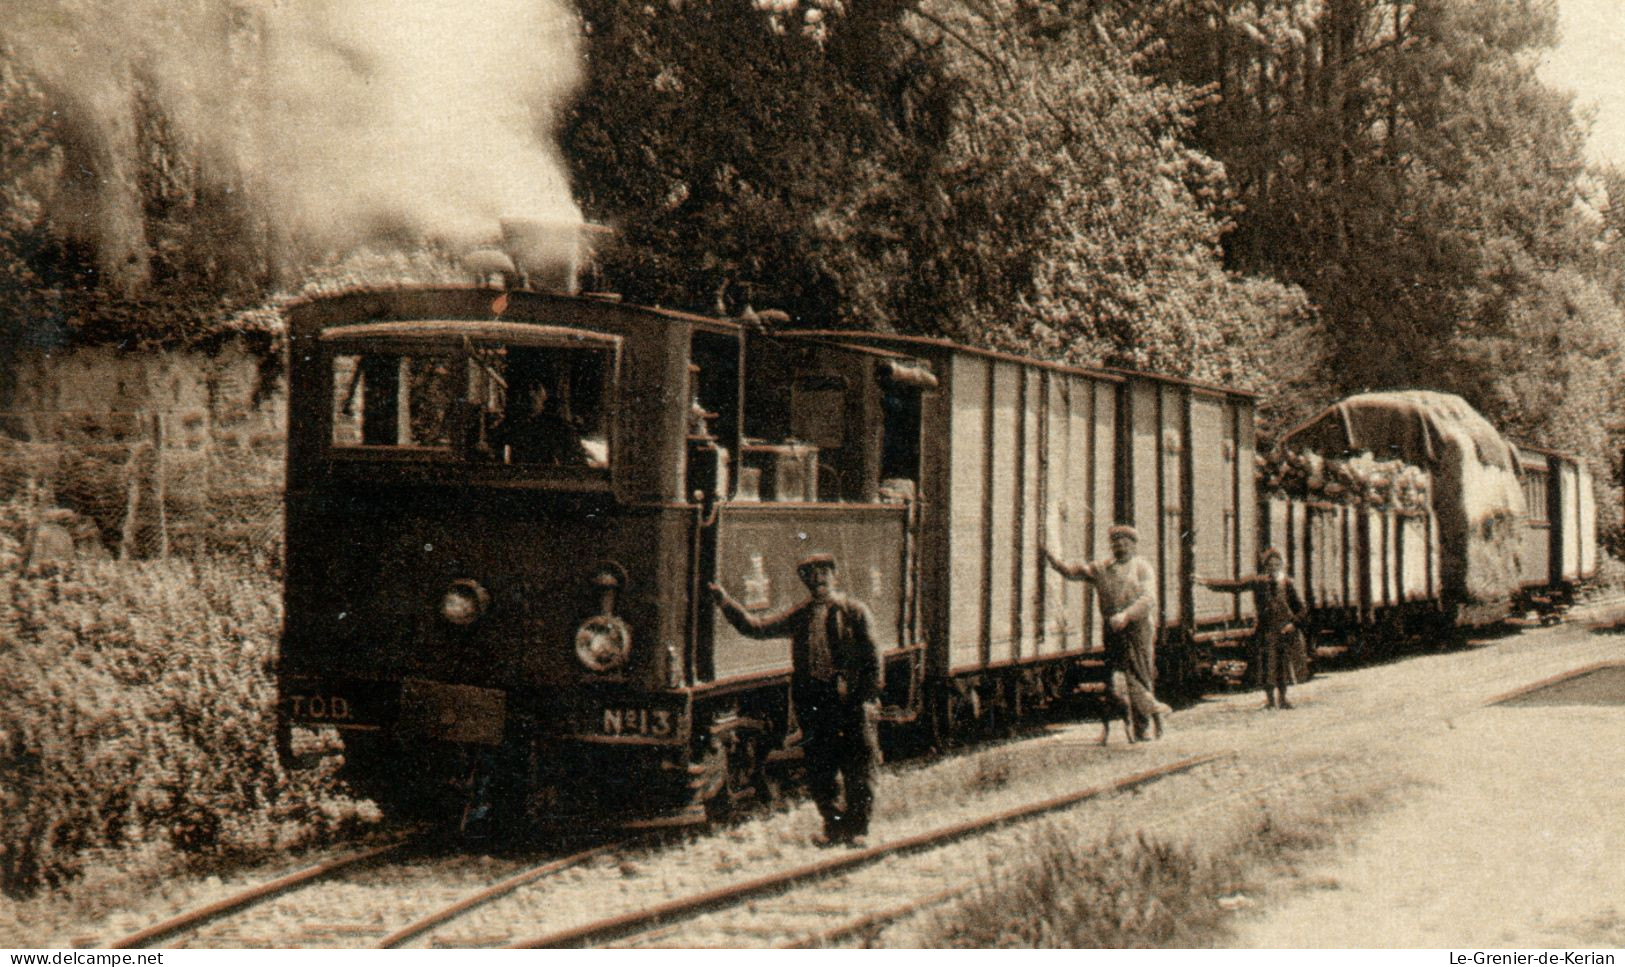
1513, 839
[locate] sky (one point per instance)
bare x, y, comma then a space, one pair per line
1590, 61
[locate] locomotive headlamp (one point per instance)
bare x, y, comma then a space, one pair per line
464, 602
603, 641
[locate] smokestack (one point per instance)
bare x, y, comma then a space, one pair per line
488, 264
549, 252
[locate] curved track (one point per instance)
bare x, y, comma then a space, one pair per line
653, 923
199, 916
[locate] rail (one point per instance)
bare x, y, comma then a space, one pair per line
616, 927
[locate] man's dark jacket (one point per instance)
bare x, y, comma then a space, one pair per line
852, 646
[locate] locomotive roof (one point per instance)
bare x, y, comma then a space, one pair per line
506, 332
517, 300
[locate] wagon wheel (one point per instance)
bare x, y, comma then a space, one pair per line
743, 779
736, 773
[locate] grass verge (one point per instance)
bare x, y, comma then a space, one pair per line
1143, 890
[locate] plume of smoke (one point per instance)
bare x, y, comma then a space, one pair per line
345, 121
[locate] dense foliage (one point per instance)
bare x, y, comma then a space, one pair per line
994, 172
1306, 197
1402, 162
136, 732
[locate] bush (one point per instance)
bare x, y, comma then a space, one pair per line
138, 721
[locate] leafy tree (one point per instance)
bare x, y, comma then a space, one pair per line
1403, 163
28, 153
756, 154
1085, 225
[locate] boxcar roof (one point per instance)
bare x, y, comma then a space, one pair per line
934, 342
1547, 452
1111, 373
1217, 389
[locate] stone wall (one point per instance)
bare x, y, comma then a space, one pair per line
146, 452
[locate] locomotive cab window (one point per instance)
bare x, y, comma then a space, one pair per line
540, 399
393, 400
542, 407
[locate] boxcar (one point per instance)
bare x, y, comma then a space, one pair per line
1007, 441
1559, 546
1366, 572
1477, 499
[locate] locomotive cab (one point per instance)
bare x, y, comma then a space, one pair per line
492, 536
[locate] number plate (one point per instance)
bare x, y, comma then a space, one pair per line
627, 720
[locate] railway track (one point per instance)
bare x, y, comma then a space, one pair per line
246, 903
243, 900
853, 897
866, 924
903, 862
830, 900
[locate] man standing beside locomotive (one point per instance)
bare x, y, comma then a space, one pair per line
1127, 586
835, 687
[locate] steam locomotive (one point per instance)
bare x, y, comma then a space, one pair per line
504, 508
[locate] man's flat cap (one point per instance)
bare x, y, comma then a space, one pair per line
820, 559
1123, 530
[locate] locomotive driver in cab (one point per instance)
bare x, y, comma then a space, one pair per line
835, 688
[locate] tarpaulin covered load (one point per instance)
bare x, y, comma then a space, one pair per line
1476, 493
